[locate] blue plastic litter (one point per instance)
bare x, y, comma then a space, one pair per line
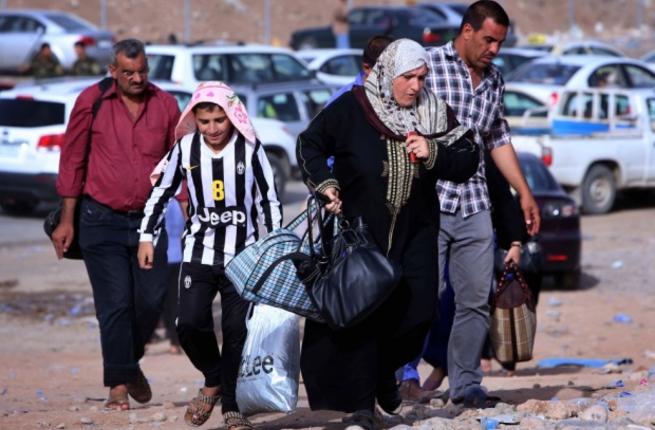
618, 383
551, 362
623, 318
488, 423
625, 394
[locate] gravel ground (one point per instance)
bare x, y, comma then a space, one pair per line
50, 368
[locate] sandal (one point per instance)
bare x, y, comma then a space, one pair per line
200, 409
140, 388
235, 421
117, 404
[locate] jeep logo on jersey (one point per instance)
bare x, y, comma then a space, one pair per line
187, 282
241, 168
232, 215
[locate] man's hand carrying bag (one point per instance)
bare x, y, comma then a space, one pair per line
513, 318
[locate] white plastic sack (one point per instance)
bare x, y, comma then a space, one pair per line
270, 362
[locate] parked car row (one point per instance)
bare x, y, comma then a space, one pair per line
22, 31
33, 121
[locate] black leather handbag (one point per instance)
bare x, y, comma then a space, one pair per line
354, 276
52, 221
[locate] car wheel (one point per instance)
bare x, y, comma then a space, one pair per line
598, 190
18, 207
307, 43
280, 169
568, 280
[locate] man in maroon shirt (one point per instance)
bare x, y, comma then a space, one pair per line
108, 173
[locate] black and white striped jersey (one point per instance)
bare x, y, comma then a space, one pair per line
228, 192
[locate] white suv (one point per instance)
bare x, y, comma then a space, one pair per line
233, 64
32, 124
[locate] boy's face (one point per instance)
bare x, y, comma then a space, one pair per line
214, 126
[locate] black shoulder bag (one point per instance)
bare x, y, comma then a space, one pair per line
54, 217
355, 276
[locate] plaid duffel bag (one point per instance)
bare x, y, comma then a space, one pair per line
264, 272
513, 318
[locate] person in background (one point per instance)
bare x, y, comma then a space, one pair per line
340, 25
462, 74
374, 47
230, 191
367, 130
84, 65
107, 173
45, 64
510, 234
174, 224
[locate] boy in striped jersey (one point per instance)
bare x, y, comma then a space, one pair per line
230, 185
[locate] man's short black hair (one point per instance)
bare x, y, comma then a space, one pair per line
131, 48
480, 10
44, 45
80, 44
374, 48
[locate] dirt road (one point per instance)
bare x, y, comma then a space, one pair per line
50, 368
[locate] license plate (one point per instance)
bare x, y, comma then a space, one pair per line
9, 151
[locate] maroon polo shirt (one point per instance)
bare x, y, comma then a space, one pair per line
124, 150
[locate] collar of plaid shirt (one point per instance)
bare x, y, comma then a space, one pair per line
479, 109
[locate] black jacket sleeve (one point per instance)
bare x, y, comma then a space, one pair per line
506, 215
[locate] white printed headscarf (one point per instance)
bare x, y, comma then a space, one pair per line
398, 58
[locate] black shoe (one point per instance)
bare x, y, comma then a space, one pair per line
476, 397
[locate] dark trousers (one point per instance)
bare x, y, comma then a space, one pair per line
195, 326
128, 300
170, 303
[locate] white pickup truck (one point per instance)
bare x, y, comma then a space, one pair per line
601, 141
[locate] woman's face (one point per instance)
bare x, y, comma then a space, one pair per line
409, 85
214, 126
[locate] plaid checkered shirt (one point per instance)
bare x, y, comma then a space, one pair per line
481, 110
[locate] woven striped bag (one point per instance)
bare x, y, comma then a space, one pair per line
513, 318
264, 272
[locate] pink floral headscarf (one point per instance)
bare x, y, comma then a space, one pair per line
222, 95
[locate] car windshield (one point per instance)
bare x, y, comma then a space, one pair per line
30, 113
543, 73
315, 100
160, 67
69, 23
460, 8
537, 175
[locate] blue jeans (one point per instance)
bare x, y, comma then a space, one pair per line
128, 300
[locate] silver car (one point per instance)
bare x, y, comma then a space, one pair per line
22, 31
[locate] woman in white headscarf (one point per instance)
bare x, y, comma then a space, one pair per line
387, 177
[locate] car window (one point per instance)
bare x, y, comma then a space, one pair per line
622, 105
281, 106
649, 58
578, 50
596, 50
610, 76
577, 104
377, 18
160, 66
544, 73
515, 104
651, 112
209, 67
20, 24
288, 68
356, 17
251, 68
182, 98
69, 23
344, 65
537, 175
315, 100
639, 77
30, 113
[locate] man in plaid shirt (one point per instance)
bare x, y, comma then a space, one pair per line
461, 73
